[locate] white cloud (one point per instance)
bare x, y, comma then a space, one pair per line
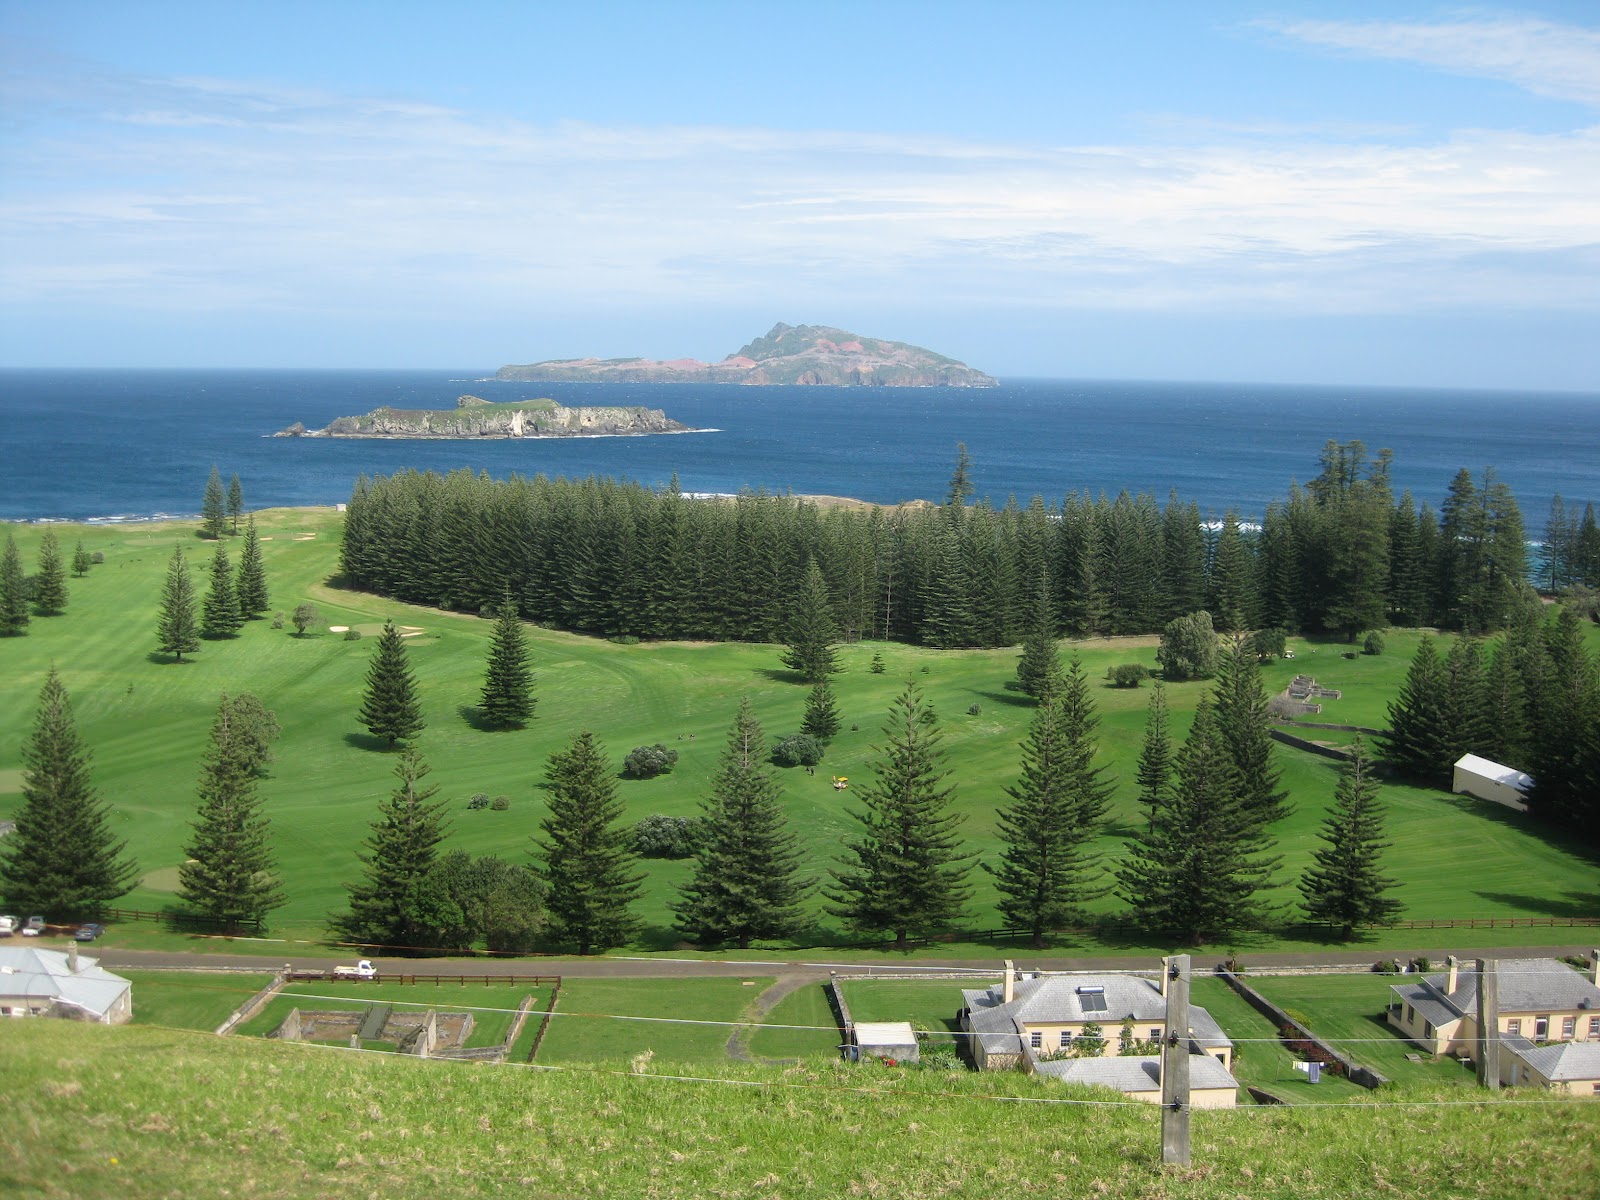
1560, 61
225, 194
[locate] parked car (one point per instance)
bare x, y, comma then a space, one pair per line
33, 927
88, 932
8, 926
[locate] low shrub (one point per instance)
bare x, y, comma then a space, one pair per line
877, 667
1372, 643
646, 762
479, 800
974, 710
99, 556
500, 804
352, 635
277, 620
624, 639
1127, 675
660, 836
797, 750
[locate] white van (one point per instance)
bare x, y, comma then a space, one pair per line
8, 926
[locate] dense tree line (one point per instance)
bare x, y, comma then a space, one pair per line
1529, 700
597, 556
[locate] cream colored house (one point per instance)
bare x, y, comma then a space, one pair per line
1540, 999
47, 983
1569, 1067
1139, 1076
1046, 1015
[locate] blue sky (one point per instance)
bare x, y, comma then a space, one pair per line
1342, 193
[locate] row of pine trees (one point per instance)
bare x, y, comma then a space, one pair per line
1341, 554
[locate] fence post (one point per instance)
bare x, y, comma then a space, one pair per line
1175, 1064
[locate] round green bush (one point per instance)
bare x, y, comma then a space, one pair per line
797, 750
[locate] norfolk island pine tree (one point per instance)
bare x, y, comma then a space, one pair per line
390, 709
214, 506
251, 585
744, 884
219, 614
905, 872
588, 861
1046, 872
1346, 888
14, 616
62, 858
177, 630
228, 873
50, 584
507, 700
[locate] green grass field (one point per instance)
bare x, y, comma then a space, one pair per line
97, 1113
1260, 1059
190, 999
1348, 1011
146, 721
584, 1029
808, 1006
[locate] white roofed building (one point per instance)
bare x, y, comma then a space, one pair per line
1488, 780
48, 983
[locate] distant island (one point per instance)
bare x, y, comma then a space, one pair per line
474, 417
806, 355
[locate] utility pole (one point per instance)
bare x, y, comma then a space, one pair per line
1489, 1023
1175, 1064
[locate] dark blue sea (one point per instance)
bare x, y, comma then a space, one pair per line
97, 444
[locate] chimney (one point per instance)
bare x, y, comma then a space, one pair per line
72, 957
1594, 967
1452, 968
1010, 992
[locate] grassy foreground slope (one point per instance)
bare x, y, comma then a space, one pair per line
132, 1113
146, 720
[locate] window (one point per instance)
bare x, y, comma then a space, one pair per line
1036, 1039
1596, 1087
1514, 1025
1427, 1029
1411, 1015
1092, 999
1594, 1027
1569, 1028
1066, 1038
1155, 1034
1541, 1028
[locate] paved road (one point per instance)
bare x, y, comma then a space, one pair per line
665, 966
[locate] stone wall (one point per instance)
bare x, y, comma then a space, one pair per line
1357, 1073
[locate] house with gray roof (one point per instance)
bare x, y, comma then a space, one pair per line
46, 983
1569, 1067
1540, 999
1139, 1076
1048, 1014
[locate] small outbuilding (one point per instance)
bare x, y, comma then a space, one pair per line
1488, 780
1211, 1085
47, 983
884, 1039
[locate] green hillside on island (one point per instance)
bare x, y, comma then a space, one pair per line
474, 417
789, 355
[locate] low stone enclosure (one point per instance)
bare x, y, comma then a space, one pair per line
410, 1032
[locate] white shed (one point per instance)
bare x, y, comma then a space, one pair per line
1487, 780
884, 1039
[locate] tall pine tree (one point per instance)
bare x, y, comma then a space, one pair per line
177, 630
81, 561
14, 616
1198, 872
214, 506
228, 874
219, 616
235, 502
822, 713
905, 873
1155, 757
50, 584
62, 859
588, 862
391, 905
1240, 704
390, 709
746, 881
1039, 664
507, 699
251, 586
1345, 887
812, 629
1419, 739
1047, 870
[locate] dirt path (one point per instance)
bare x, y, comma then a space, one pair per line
738, 1041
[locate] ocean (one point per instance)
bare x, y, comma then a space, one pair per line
121, 445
